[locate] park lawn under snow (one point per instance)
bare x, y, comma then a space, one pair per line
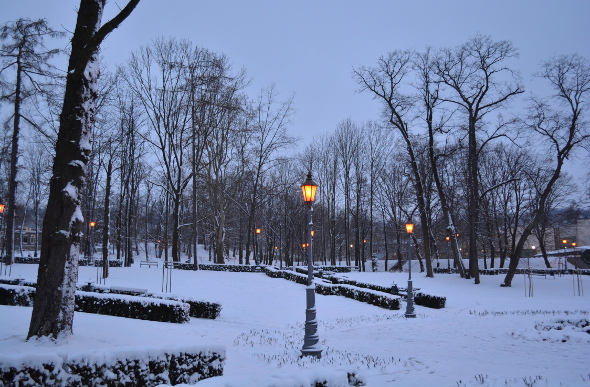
486, 335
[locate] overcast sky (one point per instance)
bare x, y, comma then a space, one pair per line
309, 47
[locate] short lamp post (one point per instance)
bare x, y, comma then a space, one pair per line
448, 238
92, 225
311, 341
565, 253
257, 252
2, 234
410, 297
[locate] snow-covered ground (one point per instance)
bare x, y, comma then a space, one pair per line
486, 335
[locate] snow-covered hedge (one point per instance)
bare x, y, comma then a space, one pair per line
369, 296
81, 261
198, 309
16, 295
429, 300
119, 367
142, 308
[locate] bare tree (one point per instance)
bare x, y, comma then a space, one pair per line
561, 123
24, 52
386, 81
270, 121
479, 83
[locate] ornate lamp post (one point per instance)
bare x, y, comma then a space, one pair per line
410, 297
311, 341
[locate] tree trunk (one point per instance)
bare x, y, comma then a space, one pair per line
53, 310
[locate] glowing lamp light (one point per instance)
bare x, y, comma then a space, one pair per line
448, 238
308, 189
1, 208
258, 231
92, 224
409, 228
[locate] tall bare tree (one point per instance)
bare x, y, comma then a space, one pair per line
561, 123
386, 81
23, 51
478, 82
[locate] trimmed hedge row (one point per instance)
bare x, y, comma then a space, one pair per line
382, 300
16, 295
142, 308
137, 307
198, 309
145, 367
369, 296
81, 261
429, 300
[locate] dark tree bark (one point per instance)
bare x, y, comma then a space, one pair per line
53, 310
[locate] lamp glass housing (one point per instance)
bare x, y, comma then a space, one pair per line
409, 228
308, 189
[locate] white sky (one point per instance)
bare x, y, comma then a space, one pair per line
309, 47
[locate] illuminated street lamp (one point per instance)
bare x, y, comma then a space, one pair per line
257, 252
565, 253
311, 341
410, 297
448, 238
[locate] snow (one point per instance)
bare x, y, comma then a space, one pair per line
486, 335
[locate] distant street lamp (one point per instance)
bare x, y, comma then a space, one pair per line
2, 235
410, 297
565, 253
92, 224
257, 252
448, 238
311, 341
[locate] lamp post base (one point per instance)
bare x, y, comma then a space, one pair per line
410, 301
311, 341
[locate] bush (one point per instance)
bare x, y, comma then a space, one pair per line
16, 295
142, 308
198, 309
149, 367
429, 300
369, 296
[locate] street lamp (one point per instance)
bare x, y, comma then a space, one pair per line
448, 238
311, 341
410, 297
565, 253
257, 252
92, 224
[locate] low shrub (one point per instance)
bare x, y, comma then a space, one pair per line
369, 296
146, 367
429, 300
16, 295
142, 308
197, 308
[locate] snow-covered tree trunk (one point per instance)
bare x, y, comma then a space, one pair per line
53, 311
